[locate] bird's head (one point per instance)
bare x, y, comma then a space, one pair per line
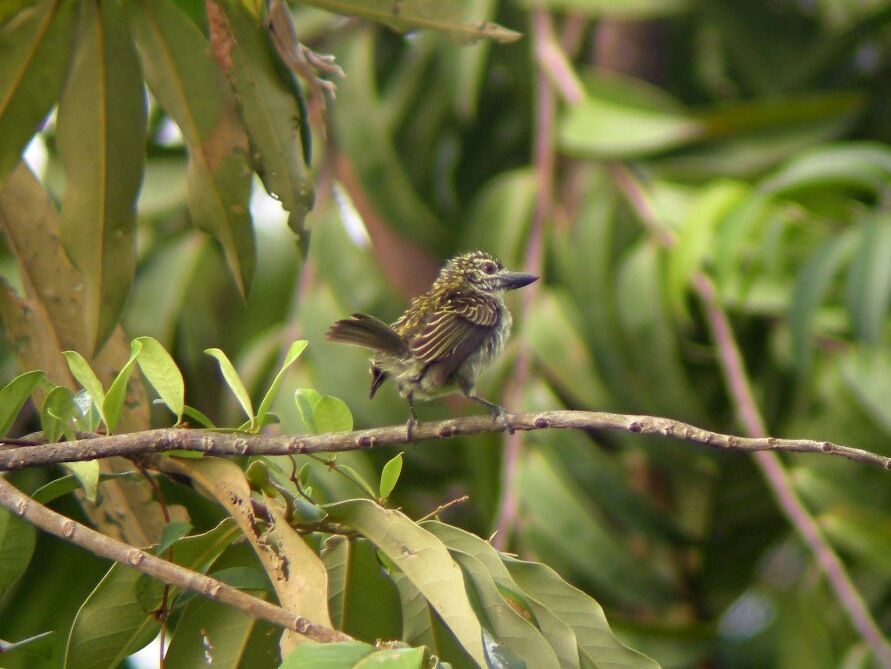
484, 272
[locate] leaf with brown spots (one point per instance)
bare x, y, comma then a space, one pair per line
268, 107
187, 83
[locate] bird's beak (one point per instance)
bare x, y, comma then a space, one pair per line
512, 280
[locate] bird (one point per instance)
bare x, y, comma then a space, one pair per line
446, 337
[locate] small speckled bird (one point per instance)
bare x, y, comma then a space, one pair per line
446, 337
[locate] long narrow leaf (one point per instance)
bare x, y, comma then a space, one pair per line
34, 48
187, 83
101, 133
423, 559
270, 111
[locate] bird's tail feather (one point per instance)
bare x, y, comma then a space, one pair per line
367, 331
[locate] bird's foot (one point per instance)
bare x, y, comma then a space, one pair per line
500, 415
410, 425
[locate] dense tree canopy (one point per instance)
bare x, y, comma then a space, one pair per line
192, 192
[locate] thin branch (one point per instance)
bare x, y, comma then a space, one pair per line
740, 389
168, 572
224, 443
544, 159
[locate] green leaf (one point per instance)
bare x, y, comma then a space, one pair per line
269, 110
293, 353
33, 62
446, 16
423, 559
554, 333
172, 532
694, 240
189, 86
87, 378
87, 475
356, 478
55, 489
363, 602
163, 374
14, 395
331, 414
101, 131
390, 475
811, 287
603, 126
862, 165
17, 539
341, 655
113, 404
868, 291
57, 415
867, 376
88, 417
515, 635
863, 532
306, 400
598, 646
198, 416
233, 380
229, 637
562, 527
113, 623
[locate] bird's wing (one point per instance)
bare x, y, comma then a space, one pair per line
453, 332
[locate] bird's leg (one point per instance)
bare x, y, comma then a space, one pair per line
413, 419
499, 413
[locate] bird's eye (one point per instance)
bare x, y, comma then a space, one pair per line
490, 268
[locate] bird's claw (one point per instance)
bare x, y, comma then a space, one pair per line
410, 426
500, 415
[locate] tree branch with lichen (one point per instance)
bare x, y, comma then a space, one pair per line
91, 447
168, 572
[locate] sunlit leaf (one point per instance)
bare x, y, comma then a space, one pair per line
87, 378
233, 380
390, 475
291, 356
331, 414
113, 403
162, 373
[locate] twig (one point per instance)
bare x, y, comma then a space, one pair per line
739, 387
168, 572
544, 159
442, 507
223, 443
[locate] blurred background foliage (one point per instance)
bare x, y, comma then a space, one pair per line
754, 134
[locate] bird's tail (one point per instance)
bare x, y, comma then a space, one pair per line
367, 331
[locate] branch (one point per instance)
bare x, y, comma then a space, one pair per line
223, 443
743, 399
168, 572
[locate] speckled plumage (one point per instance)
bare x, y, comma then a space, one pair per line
446, 337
